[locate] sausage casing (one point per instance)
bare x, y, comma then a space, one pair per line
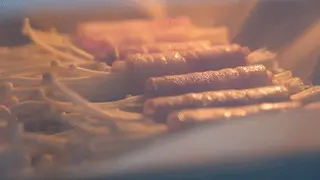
160, 64
161, 106
154, 48
242, 77
185, 118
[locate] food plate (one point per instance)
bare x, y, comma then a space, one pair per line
227, 147
65, 92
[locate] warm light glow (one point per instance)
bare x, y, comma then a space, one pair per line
155, 8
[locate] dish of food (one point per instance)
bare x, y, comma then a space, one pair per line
65, 102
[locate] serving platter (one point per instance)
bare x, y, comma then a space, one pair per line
225, 146
232, 146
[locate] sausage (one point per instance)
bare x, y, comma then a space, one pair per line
307, 96
161, 106
104, 30
178, 46
125, 51
101, 38
137, 32
241, 77
185, 118
159, 64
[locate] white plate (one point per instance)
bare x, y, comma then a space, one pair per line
231, 142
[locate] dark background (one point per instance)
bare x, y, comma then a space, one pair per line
272, 24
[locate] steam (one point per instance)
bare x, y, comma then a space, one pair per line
156, 9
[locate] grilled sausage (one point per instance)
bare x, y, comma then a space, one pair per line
153, 48
309, 95
185, 118
161, 106
216, 57
242, 77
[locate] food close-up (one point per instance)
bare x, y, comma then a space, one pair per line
67, 99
